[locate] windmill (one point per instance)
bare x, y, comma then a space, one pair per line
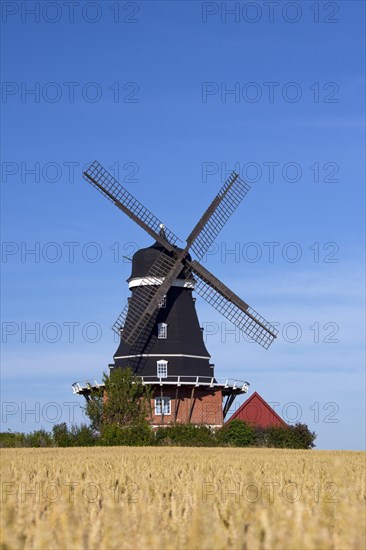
160, 336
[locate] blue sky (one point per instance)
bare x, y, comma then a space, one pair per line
171, 95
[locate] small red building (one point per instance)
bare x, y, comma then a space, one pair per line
257, 412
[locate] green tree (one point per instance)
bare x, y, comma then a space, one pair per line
12, 439
94, 409
291, 437
83, 436
127, 399
303, 436
38, 438
236, 433
61, 435
124, 403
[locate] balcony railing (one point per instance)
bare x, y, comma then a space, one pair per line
174, 380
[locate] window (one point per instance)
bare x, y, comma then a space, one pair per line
166, 405
162, 330
162, 369
163, 303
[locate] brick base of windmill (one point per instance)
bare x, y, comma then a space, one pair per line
199, 405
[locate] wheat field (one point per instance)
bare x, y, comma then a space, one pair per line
181, 498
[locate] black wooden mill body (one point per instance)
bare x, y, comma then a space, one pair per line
184, 346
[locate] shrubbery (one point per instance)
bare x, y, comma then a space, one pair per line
292, 437
132, 436
234, 434
10, 439
61, 436
76, 436
187, 435
239, 434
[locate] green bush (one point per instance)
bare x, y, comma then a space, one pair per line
303, 438
185, 435
10, 439
61, 435
38, 438
291, 437
77, 436
260, 436
83, 436
236, 433
133, 436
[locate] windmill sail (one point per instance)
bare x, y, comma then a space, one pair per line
232, 307
102, 180
217, 214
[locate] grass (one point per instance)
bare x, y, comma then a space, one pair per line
182, 498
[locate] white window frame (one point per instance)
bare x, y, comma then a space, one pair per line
166, 405
162, 304
162, 368
162, 331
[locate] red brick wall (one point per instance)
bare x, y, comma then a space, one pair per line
207, 406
